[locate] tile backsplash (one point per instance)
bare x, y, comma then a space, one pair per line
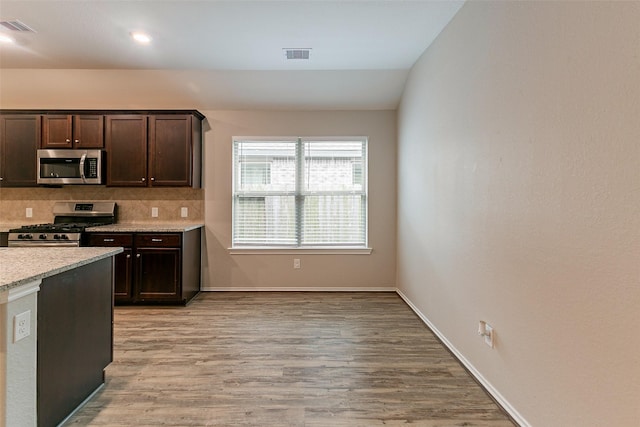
134, 204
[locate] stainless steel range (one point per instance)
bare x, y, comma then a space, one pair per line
70, 221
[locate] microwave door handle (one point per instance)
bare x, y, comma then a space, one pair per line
82, 159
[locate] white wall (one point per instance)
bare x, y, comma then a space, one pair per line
377, 270
519, 202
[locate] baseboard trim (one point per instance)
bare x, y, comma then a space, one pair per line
495, 394
301, 289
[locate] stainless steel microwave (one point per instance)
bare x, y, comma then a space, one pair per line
57, 167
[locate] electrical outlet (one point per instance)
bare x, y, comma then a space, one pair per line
154, 212
486, 331
296, 263
184, 212
21, 326
28, 212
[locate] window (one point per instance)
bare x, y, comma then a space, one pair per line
300, 192
255, 173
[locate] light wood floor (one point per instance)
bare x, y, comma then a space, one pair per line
284, 359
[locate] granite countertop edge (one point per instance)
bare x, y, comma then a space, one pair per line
169, 227
132, 227
47, 262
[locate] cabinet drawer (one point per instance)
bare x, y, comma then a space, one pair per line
119, 239
160, 240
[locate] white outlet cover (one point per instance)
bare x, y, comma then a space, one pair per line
154, 212
28, 212
184, 212
21, 326
488, 335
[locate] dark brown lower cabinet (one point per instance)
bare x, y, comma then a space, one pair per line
155, 268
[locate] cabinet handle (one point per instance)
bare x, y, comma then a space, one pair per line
144, 179
76, 141
109, 240
156, 240
153, 179
128, 256
137, 255
1, 178
67, 140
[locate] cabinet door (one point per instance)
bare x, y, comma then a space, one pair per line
19, 141
88, 131
170, 150
123, 275
122, 290
126, 145
157, 274
56, 131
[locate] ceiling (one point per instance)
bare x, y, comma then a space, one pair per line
382, 39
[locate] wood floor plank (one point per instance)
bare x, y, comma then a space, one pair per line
284, 359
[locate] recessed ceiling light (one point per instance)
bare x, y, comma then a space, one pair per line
6, 39
141, 37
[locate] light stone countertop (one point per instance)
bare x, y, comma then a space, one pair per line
19, 266
146, 227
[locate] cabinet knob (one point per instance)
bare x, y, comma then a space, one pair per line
76, 141
137, 255
1, 178
153, 179
144, 179
67, 140
128, 255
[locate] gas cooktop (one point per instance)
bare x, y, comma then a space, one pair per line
52, 228
70, 221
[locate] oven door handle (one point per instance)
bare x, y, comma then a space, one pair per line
19, 244
82, 159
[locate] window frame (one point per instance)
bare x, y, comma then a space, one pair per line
298, 247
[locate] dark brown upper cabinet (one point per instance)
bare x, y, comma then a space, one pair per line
168, 156
173, 159
143, 148
72, 131
126, 146
19, 141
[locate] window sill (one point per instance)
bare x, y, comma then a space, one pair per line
263, 250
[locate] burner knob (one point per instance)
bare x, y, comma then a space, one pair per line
64, 237
20, 236
25, 236
42, 236
56, 236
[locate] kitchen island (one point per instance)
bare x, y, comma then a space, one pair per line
56, 330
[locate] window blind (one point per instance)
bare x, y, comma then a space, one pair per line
300, 192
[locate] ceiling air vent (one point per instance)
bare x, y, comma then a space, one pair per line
297, 53
15, 25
